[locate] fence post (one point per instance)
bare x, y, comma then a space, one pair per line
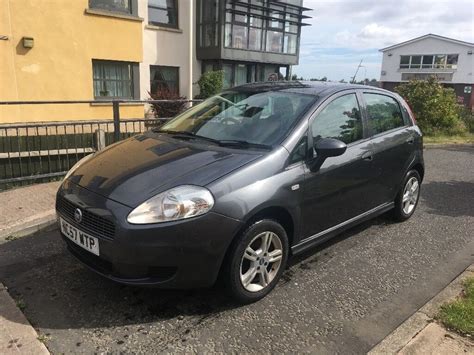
99, 139
116, 110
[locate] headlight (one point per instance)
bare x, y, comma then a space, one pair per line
178, 203
78, 164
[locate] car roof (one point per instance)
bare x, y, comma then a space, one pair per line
317, 88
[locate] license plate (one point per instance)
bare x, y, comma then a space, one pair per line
77, 236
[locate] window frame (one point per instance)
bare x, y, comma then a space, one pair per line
370, 133
134, 80
433, 65
327, 101
153, 66
133, 5
175, 9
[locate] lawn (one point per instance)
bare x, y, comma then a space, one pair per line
459, 314
467, 138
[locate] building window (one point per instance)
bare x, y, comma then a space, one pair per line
452, 61
262, 26
113, 79
163, 13
404, 61
427, 61
415, 62
438, 61
123, 6
164, 78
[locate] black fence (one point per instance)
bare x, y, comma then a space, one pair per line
44, 151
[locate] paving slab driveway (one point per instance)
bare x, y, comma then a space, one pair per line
344, 296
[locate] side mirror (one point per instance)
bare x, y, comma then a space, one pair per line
329, 147
325, 148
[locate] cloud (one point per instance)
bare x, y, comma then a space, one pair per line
345, 31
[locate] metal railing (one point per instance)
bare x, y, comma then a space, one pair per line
43, 151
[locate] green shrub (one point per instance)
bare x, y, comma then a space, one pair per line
467, 116
435, 107
210, 83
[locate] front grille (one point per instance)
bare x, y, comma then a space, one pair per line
96, 225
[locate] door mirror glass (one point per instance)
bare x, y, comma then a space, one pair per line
329, 147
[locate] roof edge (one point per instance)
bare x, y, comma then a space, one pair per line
429, 35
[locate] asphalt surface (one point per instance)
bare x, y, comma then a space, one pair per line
342, 297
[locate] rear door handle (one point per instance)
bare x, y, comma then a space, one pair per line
411, 140
368, 156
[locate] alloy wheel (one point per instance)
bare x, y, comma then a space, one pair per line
410, 195
261, 261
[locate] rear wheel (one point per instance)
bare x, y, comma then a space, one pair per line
407, 198
256, 261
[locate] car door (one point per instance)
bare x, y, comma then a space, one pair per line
341, 188
392, 139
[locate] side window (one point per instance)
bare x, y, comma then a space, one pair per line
340, 119
299, 153
383, 112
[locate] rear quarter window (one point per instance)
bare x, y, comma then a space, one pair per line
383, 112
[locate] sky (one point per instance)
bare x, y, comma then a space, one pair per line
343, 32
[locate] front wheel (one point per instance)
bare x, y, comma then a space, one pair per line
407, 198
256, 261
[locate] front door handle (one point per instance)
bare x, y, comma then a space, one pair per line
368, 156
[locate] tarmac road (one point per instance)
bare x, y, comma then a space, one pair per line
343, 297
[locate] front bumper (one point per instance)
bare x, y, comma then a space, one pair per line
181, 254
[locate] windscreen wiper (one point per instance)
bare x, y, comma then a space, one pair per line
243, 144
223, 143
187, 135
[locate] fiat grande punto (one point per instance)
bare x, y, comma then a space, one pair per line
236, 185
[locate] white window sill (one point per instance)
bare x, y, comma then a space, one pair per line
163, 28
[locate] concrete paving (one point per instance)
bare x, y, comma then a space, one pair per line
343, 297
435, 340
27, 209
420, 334
16, 334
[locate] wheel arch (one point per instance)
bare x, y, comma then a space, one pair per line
276, 213
419, 168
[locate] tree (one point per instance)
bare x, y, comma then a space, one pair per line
210, 83
435, 107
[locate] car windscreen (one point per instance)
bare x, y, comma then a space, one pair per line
253, 117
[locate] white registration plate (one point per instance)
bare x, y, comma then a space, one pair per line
82, 239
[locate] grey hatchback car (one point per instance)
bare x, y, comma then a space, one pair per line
234, 186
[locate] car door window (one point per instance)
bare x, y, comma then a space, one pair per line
299, 153
383, 113
340, 119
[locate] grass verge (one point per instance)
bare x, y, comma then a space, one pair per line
444, 139
459, 315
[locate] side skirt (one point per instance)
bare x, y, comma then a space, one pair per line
329, 233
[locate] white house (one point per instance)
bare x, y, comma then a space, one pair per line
450, 60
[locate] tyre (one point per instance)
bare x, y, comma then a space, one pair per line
408, 196
256, 261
